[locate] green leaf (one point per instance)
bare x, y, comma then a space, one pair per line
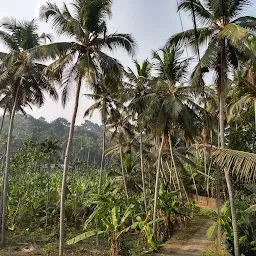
114, 214
156, 220
127, 213
90, 218
84, 236
211, 230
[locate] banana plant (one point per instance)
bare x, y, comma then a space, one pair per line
115, 226
171, 205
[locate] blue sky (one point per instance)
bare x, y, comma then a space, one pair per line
151, 22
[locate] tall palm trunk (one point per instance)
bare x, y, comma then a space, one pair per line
7, 164
142, 173
122, 168
65, 169
102, 156
222, 144
222, 120
223, 85
157, 184
233, 213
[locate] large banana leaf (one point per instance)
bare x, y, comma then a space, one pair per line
84, 236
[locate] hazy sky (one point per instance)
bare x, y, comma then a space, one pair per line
151, 22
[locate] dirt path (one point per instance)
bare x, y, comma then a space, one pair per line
190, 241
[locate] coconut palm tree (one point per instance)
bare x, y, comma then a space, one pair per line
225, 33
22, 75
169, 105
106, 100
82, 58
123, 131
139, 82
244, 91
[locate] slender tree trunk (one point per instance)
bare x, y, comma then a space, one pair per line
222, 144
157, 185
254, 101
205, 168
233, 212
102, 156
222, 121
1, 202
171, 176
163, 171
7, 164
3, 118
122, 168
219, 233
223, 80
65, 170
88, 158
101, 168
175, 169
142, 173
194, 182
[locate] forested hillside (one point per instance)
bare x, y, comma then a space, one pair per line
86, 146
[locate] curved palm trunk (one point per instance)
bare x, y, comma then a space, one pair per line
7, 164
102, 156
65, 170
157, 184
122, 168
142, 174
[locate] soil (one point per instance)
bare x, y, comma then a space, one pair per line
34, 250
189, 241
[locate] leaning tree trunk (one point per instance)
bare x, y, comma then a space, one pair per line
7, 164
175, 169
122, 168
65, 170
157, 185
102, 156
142, 174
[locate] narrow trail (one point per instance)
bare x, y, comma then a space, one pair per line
189, 241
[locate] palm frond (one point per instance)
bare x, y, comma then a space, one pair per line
202, 14
188, 37
240, 164
247, 22
120, 41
